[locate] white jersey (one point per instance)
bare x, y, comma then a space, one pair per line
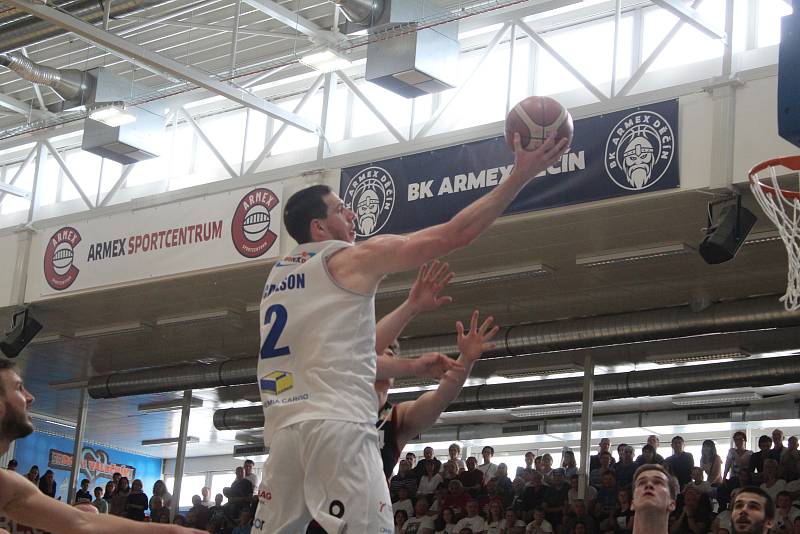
317, 358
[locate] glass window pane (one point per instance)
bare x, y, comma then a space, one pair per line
689, 45
294, 138
769, 21
220, 481
147, 171
190, 485
11, 203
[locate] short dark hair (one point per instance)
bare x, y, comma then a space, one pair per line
303, 207
491, 449
84, 481
769, 505
249, 461
677, 438
672, 482
764, 439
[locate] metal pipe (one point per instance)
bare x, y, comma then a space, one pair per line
69, 84
180, 457
655, 382
77, 449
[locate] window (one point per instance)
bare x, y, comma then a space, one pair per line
220, 481
689, 45
770, 12
190, 485
294, 138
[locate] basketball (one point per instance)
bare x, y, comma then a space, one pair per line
534, 118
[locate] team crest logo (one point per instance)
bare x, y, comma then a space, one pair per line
277, 382
639, 150
59, 269
370, 194
251, 230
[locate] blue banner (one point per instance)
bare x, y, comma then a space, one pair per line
98, 463
618, 154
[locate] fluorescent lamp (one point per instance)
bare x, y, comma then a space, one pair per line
762, 237
167, 441
122, 328
706, 400
413, 382
73, 383
113, 115
168, 405
251, 308
52, 338
196, 317
629, 255
547, 411
722, 354
50, 420
325, 61
540, 371
505, 275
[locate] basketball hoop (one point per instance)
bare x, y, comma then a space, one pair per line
782, 206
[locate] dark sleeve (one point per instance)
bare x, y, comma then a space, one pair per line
751, 466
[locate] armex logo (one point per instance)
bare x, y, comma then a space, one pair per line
59, 269
251, 226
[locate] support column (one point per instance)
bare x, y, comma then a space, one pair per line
77, 449
181, 456
586, 423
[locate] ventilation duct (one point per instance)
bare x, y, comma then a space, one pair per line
733, 316
72, 85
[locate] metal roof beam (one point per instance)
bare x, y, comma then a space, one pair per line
22, 108
161, 63
293, 20
686, 12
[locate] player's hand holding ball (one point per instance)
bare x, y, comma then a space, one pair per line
538, 130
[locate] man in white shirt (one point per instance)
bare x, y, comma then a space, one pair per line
473, 521
487, 467
421, 523
249, 475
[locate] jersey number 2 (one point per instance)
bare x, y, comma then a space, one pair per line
270, 349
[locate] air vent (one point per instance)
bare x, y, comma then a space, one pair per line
250, 450
708, 416
522, 429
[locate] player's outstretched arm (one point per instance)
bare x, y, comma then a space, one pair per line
382, 255
424, 296
418, 415
24, 503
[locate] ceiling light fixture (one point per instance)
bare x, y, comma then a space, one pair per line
722, 354
612, 257
762, 237
122, 328
114, 114
547, 411
326, 61
196, 317
168, 441
540, 371
168, 405
707, 400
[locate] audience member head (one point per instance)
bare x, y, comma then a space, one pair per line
430, 468
427, 453
605, 444
449, 470
487, 452
206, 492
783, 500
495, 511
568, 459
558, 477
239, 473
115, 478
792, 443
538, 513
472, 463
400, 518
403, 467
197, 500
536, 479
448, 516
739, 439
421, 507
456, 487
248, 467
502, 470
697, 474
473, 508
605, 459
770, 470
579, 507
518, 485
110, 489
403, 493
136, 486
620, 447
537, 463
579, 528
764, 443
608, 479
159, 488
648, 454
677, 444
123, 485
626, 456
98, 492
33, 473
411, 458
653, 441
777, 438
624, 498
547, 461
529, 456
454, 450
708, 452
12, 465
218, 498
752, 511
574, 481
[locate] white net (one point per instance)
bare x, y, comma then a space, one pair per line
782, 206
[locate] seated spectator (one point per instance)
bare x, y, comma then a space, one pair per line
158, 512
472, 478
589, 497
622, 519
99, 502
489, 497
556, 501
594, 460
179, 520
681, 462
404, 478
596, 475
534, 496
457, 499
217, 518
772, 484
473, 521
120, 497
790, 461
698, 483
136, 503
777, 445
648, 456
449, 471
579, 515
243, 527
430, 480
446, 522
539, 525
626, 467
606, 497
421, 523
511, 524
756, 463
487, 467
504, 486
83, 494
711, 463
785, 515
439, 499
569, 464
427, 457
696, 515
198, 515
12, 465
495, 517
454, 451
518, 487
403, 501
400, 518
653, 442
522, 471
160, 490
47, 484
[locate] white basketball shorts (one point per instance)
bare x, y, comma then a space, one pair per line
329, 471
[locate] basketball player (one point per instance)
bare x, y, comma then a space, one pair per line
317, 366
22, 502
752, 512
654, 494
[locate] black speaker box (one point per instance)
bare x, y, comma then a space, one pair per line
23, 330
723, 239
788, 78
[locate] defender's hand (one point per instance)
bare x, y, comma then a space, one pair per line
474, 343
434, 365
431, 279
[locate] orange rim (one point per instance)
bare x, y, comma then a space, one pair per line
789, 162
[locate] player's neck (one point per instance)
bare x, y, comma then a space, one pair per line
650, 522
